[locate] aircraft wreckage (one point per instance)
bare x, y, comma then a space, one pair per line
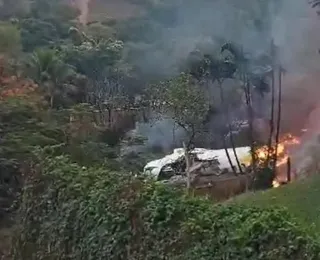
207, 162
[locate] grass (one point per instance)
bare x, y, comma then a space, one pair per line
301, 198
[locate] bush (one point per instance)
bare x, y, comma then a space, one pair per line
72, 212
10, 42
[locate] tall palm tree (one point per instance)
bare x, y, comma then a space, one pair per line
280, 71
272, 111
50, 72
206, 68
225, 107
254, 73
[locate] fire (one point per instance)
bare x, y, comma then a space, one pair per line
275, 184
282, 160
281, 151
285, 142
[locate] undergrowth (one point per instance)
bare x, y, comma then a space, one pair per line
73, 212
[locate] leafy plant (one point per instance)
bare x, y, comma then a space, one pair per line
183, 100
74, 212
50, 72
10, 42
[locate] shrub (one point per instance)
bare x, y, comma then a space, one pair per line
72, 212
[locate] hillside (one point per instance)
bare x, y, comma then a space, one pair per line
300, 198
74, 91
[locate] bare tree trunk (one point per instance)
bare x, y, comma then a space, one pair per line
228, 155
247, 90
51, 101
234, 149
289, 170
188, 166
174, 134
230, 132
271, 123
191, 138
251, 117
279, 116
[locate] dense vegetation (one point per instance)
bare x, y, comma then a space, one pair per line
94, 213
70, 95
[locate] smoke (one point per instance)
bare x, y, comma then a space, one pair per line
162, 134
83, 6
185, 25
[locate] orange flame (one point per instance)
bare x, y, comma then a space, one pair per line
275, 184
281, 152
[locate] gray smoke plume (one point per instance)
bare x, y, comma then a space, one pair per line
161, 134
189, 25
249, 23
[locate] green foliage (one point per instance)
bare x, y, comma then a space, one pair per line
23, 128
93, 59
36, 33
47, 24
46, 65
82, 200
184, 100
100, 31
10, 42
211, 67
72, 212
50, 72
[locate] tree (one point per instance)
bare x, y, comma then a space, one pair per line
100, 31
212, 69
101, 62
253, 74
36, 33
10, 42
185, 101
50, 72
93, 59
47, 24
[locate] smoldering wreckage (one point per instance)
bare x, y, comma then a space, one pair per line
211, 170
223, 173
226, 172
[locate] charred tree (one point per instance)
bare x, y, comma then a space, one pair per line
278, 116
188, 166
289, 170
244, 79
225, 107
271, 122
250, 119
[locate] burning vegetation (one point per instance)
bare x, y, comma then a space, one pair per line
266, 162
210, 169
81, 96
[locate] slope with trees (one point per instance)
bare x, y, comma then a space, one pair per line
68, 98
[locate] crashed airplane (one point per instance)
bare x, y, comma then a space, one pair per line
213, 162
